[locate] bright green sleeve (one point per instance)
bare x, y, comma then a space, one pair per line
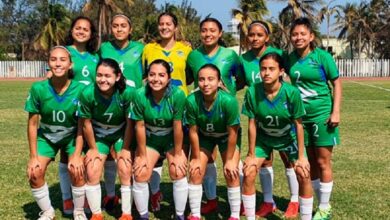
138, 107
32, 102
329, 66
85, 104
179, 104
190, 115
232, 110
298, 109
248, 105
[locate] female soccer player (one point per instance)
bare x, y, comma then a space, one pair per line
258, 38
158, 112
228, 63
82, 45
52, 106
275, 112
103, 109
126, 52
212, 115
310, 70
172, 49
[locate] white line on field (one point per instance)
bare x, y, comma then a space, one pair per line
369, 85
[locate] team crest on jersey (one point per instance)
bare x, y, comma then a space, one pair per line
223, 61
94, 60
75, 101
136, 54
313, 63
180, 53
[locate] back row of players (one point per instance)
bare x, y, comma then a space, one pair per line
105, 114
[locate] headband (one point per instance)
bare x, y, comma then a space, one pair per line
260, 24
123, 16
62, 47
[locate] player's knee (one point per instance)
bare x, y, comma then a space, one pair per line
249, 175
323, 163
124, 170
143, 176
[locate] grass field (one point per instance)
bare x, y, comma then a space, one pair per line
361, 163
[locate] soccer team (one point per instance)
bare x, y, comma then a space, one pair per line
125, 107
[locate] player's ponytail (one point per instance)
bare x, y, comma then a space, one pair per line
121, 83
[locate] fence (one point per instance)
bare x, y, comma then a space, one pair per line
347, 68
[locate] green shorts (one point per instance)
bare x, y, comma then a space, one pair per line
291, 149
105, 146
209, 143
319, 134
47, 149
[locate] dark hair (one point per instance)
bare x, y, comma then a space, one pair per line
213, 67
127, 19
274, 56
261, 23
305, 22
164, 63
121, 83
170, 14
215, 21
70, 71
92, 43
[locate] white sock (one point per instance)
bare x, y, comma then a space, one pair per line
292, 184
126, 199
316, 187
155, 180
306, 208
250, 206
141, 197
65, 184
210, 181
267, 181
94, 197
78, 194
325, 192
110, 177
180, 195
41, 196
195, 198
234, 197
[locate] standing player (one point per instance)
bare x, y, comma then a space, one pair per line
258, 37
228, 63
213, 117
275, 112
310, 70
103, 109
158, 112
52, 106
82, 45
171, 49
126, 52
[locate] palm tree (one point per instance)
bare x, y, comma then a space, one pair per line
345, 23
325, 13
55, 27
300, 8
248, 11
105, 11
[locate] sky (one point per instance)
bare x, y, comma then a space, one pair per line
221, 9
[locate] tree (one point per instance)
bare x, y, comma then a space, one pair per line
248, 11
325, 13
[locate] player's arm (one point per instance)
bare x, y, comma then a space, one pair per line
32, 132
230, 166
140, 161
251, 137
334, 119
302, 162
178, 136
76, 165
129, 133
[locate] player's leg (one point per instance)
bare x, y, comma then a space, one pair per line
110, 169
65, 184
210, 185
154, 184
293, 206
266, 176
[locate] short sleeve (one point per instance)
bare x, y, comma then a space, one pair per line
84, 109
178, 104
32, 102
138, 108
190, 114
329, 66
298, 109
248, 105
232, 110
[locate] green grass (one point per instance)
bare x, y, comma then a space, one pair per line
361, 164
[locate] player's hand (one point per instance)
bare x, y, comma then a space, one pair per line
33, 164
140, 163
91, 156
179, 162
195, 166
304, 166
124, 155
230, 169
76, 166
250, 163
334, 120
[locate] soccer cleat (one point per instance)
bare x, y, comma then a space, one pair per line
67, 206
266, 208
242, 210
126, 217
323, 214
191, 217
292, 210
97, 217
109, 203
79, 216
209, 206
47, 215
155, 201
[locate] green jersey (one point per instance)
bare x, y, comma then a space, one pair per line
274, 118
213, 123
84, 65
129, 60
250, 65
58, 122
159, 117
225, 59
311, 75
108, 116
